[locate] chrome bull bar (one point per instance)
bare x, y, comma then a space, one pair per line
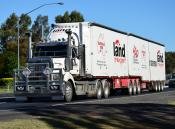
37, 81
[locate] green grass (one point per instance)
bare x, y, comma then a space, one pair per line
24, 124
5, 90
40, 124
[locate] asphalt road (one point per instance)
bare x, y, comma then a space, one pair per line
148, 110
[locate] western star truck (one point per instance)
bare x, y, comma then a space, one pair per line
90, 59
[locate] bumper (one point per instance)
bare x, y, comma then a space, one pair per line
38, 95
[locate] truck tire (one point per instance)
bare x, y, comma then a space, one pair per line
138, 88
155, 87
130, 89
106, 88
99, 91
162, 86
68, 92
134, 90
159, 86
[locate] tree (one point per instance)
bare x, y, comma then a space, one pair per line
25, 22
75, 16
8, 37
9, 29
170, 62
41, 21
10, 63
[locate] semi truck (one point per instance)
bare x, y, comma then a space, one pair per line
91, 59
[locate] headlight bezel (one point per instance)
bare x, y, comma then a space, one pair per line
26, 72
47, 71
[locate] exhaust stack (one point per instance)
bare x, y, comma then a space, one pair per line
29, 34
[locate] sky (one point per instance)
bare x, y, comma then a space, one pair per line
152, 19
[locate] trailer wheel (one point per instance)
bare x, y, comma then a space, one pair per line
159, 86
68, 92
99, 91
134, 88
155, 86
130, 89
138, 88
162, 86
106, 88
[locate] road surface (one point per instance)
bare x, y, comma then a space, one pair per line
150, 110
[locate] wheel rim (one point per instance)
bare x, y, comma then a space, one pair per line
138, 89
106, 92
162, 86
130, 90
99, 93
68, 92
99, 90
156, 87
134, 90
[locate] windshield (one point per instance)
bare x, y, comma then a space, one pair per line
50, 49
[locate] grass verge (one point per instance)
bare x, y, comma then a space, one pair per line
24, 124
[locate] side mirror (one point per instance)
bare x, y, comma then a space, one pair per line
68, 64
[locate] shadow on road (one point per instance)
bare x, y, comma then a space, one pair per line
128, 116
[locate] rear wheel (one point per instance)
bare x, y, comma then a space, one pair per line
159, 86
130, 88
134, 88
68, 92
155, 86
106, 88
99, 91
138, 88
162, 86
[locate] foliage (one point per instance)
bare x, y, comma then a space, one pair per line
170, 62
9, 63
75, 16
6, 82
8, 37
41, 21
9, 29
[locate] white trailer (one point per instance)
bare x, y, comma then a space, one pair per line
91, 59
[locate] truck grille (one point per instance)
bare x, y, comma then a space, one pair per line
37, 78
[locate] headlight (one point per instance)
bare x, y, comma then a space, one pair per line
55, 76
47, 71
26, 72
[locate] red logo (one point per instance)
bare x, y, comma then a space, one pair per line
101, 44
135, 52
119, 52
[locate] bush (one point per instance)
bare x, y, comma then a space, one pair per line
6, 82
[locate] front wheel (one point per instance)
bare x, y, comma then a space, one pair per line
68, 92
